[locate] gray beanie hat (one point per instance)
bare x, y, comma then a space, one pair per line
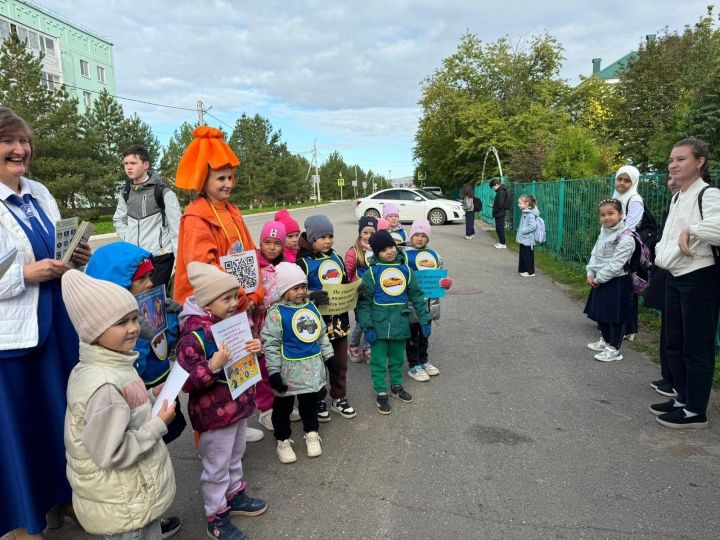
318, 226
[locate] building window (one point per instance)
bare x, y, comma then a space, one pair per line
87, 99
33, 40
50, 81
84, 68
4, 29
47, 46
101, 74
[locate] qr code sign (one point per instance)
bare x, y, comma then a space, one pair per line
244, 267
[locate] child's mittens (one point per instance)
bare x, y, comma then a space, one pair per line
426, 329
319, 298
333, 366
171, 306
277, 384
370, 336
446, 283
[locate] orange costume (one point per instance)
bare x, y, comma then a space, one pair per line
208, 230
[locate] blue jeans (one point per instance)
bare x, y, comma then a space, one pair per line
469, 223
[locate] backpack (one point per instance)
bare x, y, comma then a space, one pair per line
477, 204
540, 235
715, 249
647, 229
640, 262
158, 192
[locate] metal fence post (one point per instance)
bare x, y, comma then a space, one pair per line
560, 219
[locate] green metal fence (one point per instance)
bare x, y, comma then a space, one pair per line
569, 208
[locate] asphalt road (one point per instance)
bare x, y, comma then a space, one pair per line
522, 435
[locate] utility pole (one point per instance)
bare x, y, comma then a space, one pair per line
355, 184
201, 112
316, 177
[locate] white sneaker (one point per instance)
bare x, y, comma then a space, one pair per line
430, 369
312, 442
610, 354
598, 345
285, 452
418, 373
630, 337
500, 246
265, 419
295, 415
253, 435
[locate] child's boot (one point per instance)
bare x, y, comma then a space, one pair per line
285, 452
355, 354
220, 527
242, 505
312, 442
397, 391
383, 403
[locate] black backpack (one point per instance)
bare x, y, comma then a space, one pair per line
159, 193
477, 204
647, 229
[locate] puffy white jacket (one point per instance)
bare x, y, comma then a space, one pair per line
18, 301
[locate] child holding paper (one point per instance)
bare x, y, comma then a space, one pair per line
117, 464
323, 266
218, 418
389, 285
297, 349
419, 258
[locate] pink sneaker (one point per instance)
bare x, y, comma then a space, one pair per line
355, 354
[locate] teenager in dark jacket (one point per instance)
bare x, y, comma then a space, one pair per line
501, 205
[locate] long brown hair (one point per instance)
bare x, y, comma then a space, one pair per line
12, 124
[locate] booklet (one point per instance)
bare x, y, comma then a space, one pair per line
244, 266
171, 387
242, 370
68, 234
151, 307
6, 260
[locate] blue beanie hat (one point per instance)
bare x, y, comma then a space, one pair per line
381, 240
367, 221
116, 262
318, 226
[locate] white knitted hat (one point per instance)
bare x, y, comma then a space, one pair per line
209, 282
287, 275
94, 305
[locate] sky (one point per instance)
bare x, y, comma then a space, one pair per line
344, 74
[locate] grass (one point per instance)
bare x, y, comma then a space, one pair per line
571, 277
104, 224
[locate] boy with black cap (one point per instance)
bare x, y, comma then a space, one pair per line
323, 266
383, 314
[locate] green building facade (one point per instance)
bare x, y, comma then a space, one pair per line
75, 56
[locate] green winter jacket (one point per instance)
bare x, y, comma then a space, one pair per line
302, 376
390, 321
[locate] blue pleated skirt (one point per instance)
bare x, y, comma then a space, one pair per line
33, 383
611, 302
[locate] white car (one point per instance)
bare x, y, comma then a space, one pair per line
413, 204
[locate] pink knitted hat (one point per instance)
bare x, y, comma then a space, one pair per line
390, 208
382, 224
273, 229
287, 275
291, 226
420, 225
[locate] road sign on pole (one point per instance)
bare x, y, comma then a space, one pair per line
341, 183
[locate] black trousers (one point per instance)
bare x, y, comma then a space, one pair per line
469, 223
526, 261
691, 317
612, 333
283, 406
665, 372
163, 270
416, 348
500, 229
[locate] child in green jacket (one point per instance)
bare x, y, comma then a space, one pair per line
383, 312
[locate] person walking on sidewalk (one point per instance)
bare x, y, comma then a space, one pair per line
148, 213
692, 290
526, 235
468, 204
501, 204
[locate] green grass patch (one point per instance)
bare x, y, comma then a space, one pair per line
104, 225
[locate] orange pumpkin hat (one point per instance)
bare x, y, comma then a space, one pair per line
208, 148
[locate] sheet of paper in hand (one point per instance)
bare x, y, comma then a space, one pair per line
171, 387
242, 370
429, 282
151, 307
343, 298
243, 266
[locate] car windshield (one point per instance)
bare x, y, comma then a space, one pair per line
427, 194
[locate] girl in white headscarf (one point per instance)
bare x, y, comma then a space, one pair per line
626, 182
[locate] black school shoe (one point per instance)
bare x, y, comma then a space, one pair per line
322, 412
678, 420
169, 526
398, 392
665, 407
383, 404
666, 389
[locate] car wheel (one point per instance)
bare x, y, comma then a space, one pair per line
371, 212
437, 217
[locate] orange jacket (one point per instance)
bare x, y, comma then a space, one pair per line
201, 238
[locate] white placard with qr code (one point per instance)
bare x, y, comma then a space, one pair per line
243, 266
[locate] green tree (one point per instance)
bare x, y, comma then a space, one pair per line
575, 154
135, 131
171, 155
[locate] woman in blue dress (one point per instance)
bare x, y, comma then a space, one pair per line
38, 344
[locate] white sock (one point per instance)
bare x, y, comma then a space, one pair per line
689, 414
